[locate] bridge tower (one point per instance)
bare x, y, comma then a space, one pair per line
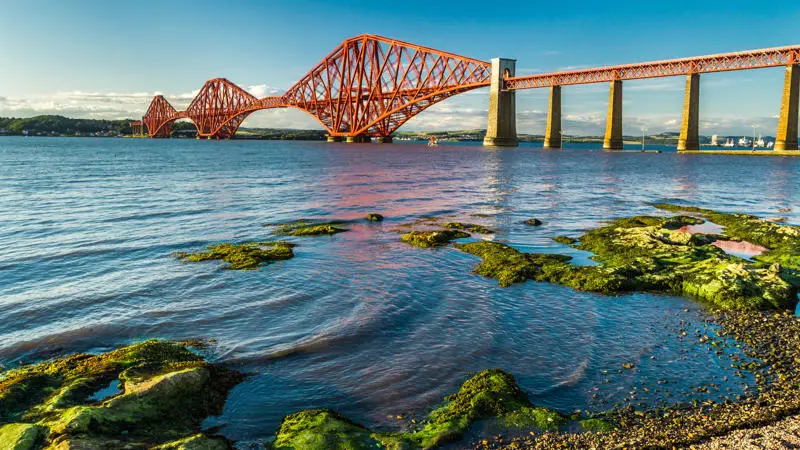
786, 139
613, 139
501, 131
689, 138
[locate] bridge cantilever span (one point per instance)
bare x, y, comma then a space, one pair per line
366, 87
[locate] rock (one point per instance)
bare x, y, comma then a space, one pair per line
310, 228
374, 217
21, 436
475, 228
436, 238
196, 442
167, 393
491, 394
566, 240
245, 256
533, 222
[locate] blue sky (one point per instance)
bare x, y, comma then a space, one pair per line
86, 58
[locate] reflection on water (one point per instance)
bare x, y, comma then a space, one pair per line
359, 321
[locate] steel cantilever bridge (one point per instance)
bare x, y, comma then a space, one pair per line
370, 85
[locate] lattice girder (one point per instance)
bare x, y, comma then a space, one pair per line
369, 85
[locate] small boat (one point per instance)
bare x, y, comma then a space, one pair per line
744, 142
728, 143
433, 142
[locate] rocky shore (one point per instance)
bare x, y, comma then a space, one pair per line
156, 394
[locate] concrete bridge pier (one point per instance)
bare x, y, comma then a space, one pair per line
501, 130
552, 135
786, 138
689, 138
384, 139
613, 138
334, 138
359, 139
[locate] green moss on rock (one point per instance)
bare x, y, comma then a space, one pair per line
472, 227
311, 228
596, 425
197, 442
435, 238
167, 391
322, 429
21, 436
245, 256
566, 240
491, 394
374, 217
646, 253
533, 222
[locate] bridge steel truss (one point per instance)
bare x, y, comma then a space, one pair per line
368, 86
724, 62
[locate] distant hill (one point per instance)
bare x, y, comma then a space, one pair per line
60, 125
63, 126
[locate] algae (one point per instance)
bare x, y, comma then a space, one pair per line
244, 256
472, 227
645, 253
374, 217
167, 393
491, 394
435, 238
310, 228
566, 240
21, 436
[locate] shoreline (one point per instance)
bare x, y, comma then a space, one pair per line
742, 152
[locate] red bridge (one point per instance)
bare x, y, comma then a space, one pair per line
369, 86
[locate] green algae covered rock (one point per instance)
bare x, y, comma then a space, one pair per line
472, 227
324, 430
435, 238
374, 217
310, 228
245, 256
566, 240
646, 253
21, 436
166, 393
196, 442
596, 425
491, 394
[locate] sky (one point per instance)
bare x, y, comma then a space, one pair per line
107, 59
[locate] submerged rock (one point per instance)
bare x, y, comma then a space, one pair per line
245, 256
435, 238
374, 217
167, 392
566, 240
311, 228
645, 253
475, 228
491, 394
533, 222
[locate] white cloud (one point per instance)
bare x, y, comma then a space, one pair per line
586, 117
